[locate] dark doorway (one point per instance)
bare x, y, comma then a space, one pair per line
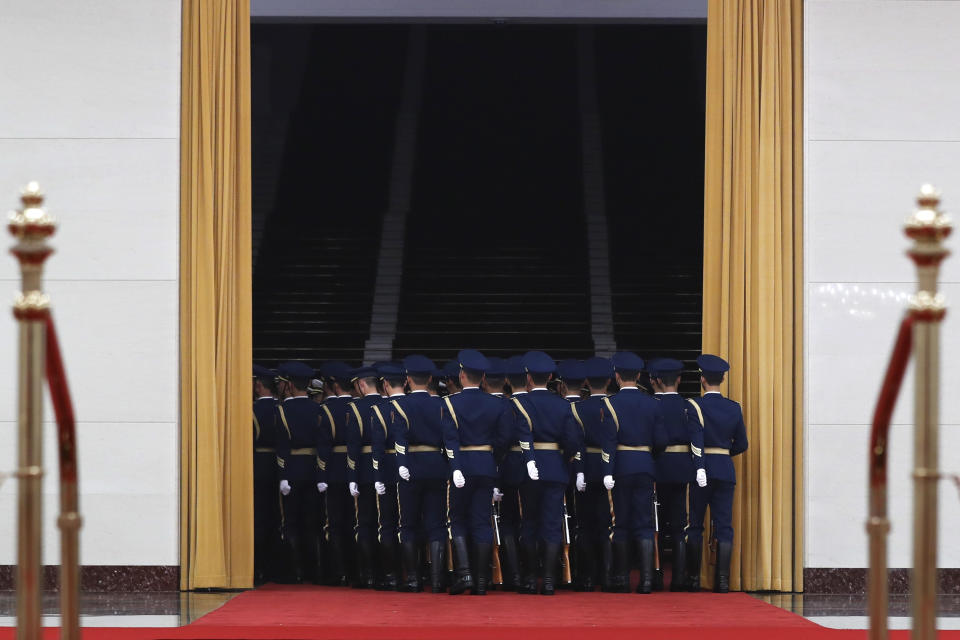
495, 252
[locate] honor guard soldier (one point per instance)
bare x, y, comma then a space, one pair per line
302, 451
724, 435
494, 381
451, 377
266, 507
513, 472
341, 512
593, 504
360, 472
571, 379
679, 464
422, 467
549, 436
385, 473
629, 443
475, 424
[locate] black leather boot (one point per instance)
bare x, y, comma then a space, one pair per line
339, 556
461, 567
388, 565
724, 551
646, 548
677, 582
620, 568
319, 568
482, 554
295, 557
529, 584
693, 567
588, 567
551, 556
410, 553
606, 564
510, 565
366, 562
438, 566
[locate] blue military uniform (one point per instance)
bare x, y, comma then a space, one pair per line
385, 473
361, 472
676, 466
341, 509
627, 455
724, 436
593, 505
549, 436
572, 374
302, 451
266, 503
475, 424
513, 473
418, 436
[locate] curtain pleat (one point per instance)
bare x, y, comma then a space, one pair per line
752, 271
215, 292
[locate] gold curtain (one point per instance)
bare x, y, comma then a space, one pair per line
216, 544
752, 271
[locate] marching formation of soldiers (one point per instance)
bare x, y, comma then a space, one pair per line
385, 483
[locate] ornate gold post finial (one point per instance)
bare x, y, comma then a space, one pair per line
31, 226
927, 227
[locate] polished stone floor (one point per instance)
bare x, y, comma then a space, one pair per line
168, 609
177, 609
850, 612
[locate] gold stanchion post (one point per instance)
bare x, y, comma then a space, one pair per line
31, 226
928, 227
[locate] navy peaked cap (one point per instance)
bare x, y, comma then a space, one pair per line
473, 360
419, 365
451, 369
598, 368
667, 366
295, 370
260, 371
712, 364
391, 370
513, 366
538, 362
364, 372
627, 361
497, 367
571, 370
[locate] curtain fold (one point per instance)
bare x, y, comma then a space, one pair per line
216, 543
752, 271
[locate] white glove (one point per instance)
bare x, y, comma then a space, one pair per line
354, 489
321, 486
458, 479
285, 487
404, 473
380, 487
608, 482
532, 470
581, 483
497, 495
701, 477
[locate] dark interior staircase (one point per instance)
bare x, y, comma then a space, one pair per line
495, 255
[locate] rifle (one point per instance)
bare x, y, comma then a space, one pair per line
657, 569
567, 575
497, 573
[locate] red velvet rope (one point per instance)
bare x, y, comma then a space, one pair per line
62, 405
887, 401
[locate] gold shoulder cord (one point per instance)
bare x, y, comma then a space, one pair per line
256, 427
573, 408
283, 419
380, 418
356, 412
526, 415
401, 412
453, 414
616, 420
697, 407
333, 425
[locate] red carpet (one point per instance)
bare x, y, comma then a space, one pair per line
300, 613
